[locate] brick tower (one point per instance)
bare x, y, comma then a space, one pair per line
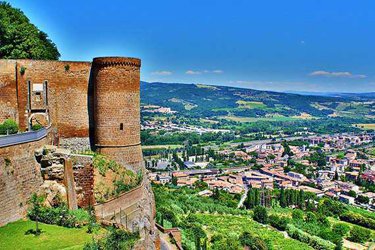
116, 82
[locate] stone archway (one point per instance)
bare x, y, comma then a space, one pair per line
41, 119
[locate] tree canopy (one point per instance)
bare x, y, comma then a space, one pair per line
20, 39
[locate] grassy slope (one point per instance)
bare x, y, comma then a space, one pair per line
12, 236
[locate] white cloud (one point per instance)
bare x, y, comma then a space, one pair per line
162, 73
192, 72
344, 74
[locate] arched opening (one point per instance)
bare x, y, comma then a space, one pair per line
38, 121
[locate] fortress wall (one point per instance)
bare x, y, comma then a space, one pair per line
20, 176
116, 84
84, 180
116, 106
67, 93
8, 90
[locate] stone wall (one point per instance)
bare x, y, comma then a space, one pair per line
8, 90
67, 93
135, 210
75, 144
20, 176
84, 180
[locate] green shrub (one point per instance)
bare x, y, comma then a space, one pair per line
9, 126
341, 229
60, 216
260, 214
297, 214
230, 242
329, 207
358, 219
22, 70
253, 242
314, 241
358, 234
114, 239
310, 217
278, 222
36, 127
328, 234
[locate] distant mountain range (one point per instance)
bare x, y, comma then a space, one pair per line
366, 95
199, 100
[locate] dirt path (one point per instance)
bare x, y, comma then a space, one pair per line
353, 246
165, 244
243, 197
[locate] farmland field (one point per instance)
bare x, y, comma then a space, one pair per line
365, 126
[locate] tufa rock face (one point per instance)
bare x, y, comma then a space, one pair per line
51, 160
53, 191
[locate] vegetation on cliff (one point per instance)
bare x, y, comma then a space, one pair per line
20, 39
114, 238
112, 179
58, 215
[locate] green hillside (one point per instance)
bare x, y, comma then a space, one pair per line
241, 104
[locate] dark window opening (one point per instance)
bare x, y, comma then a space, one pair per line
121, 126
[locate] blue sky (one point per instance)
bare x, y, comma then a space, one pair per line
277, 45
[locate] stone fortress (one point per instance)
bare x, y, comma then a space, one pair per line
83, 105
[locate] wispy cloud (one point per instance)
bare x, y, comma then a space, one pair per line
199, 72
162, 73
192, 72
343, 74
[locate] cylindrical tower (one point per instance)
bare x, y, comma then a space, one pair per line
116, 82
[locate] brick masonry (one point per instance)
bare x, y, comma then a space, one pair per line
84, 180
68, 93
20, 176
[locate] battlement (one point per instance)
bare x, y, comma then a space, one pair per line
116, 61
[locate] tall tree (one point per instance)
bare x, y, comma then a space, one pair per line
20, 39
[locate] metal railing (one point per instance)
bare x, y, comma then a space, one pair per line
9, 140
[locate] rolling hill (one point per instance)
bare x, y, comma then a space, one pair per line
197, 100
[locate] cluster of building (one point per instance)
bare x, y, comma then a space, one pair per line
169, 126
157, 109
341, 141
337, 179
230, 180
